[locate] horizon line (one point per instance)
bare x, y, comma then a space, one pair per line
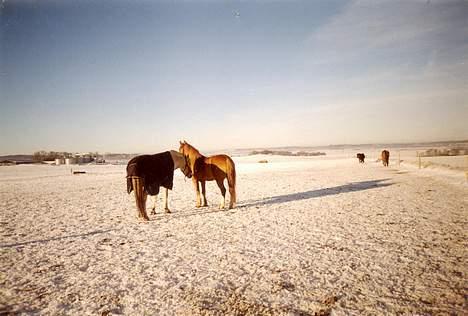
272, 147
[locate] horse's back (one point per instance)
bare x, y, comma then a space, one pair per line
213, 168
155, 170
218, 159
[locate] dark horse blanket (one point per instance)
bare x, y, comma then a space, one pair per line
156, 170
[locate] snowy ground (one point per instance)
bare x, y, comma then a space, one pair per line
310, 236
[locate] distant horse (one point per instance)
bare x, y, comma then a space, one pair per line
361, 157
218, 167
385, 156
146, 173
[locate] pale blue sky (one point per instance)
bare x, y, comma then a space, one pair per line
137, 76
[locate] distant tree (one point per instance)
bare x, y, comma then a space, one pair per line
51, 155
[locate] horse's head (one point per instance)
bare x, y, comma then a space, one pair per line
186, 167
188, 150
184, 149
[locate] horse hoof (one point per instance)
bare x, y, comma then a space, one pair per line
167, 210
153, 212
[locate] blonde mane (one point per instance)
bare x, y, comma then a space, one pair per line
190, 150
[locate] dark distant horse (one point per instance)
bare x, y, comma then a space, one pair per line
385, 156
146, 173
218, 167
361, 157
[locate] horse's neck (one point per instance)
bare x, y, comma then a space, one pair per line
196, 155
177, 158
193, 152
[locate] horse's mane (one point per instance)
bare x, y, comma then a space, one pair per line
193, 150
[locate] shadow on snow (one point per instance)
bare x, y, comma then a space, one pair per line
41, 241
350, 187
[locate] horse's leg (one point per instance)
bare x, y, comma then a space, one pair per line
205, 203
223, 193
155, 201
231, 179
166, 198
145, 196
197, 190
138, 192
232, 196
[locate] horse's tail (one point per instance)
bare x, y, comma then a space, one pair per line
231, 177
129, 185
140, 195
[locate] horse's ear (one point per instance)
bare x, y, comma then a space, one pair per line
181, 142
185, 142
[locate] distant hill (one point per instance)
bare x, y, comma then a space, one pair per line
290, 150
18, 158
286, 153
448, 144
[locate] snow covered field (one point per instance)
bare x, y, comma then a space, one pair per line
310, 236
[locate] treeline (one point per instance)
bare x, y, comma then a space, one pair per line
434, 152
52, 155
286, 153
110, 156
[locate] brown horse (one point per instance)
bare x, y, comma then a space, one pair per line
385, 157
218, 167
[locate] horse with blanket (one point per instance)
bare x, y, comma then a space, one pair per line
147, 173
361, 157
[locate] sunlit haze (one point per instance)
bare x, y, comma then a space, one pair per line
138, 76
